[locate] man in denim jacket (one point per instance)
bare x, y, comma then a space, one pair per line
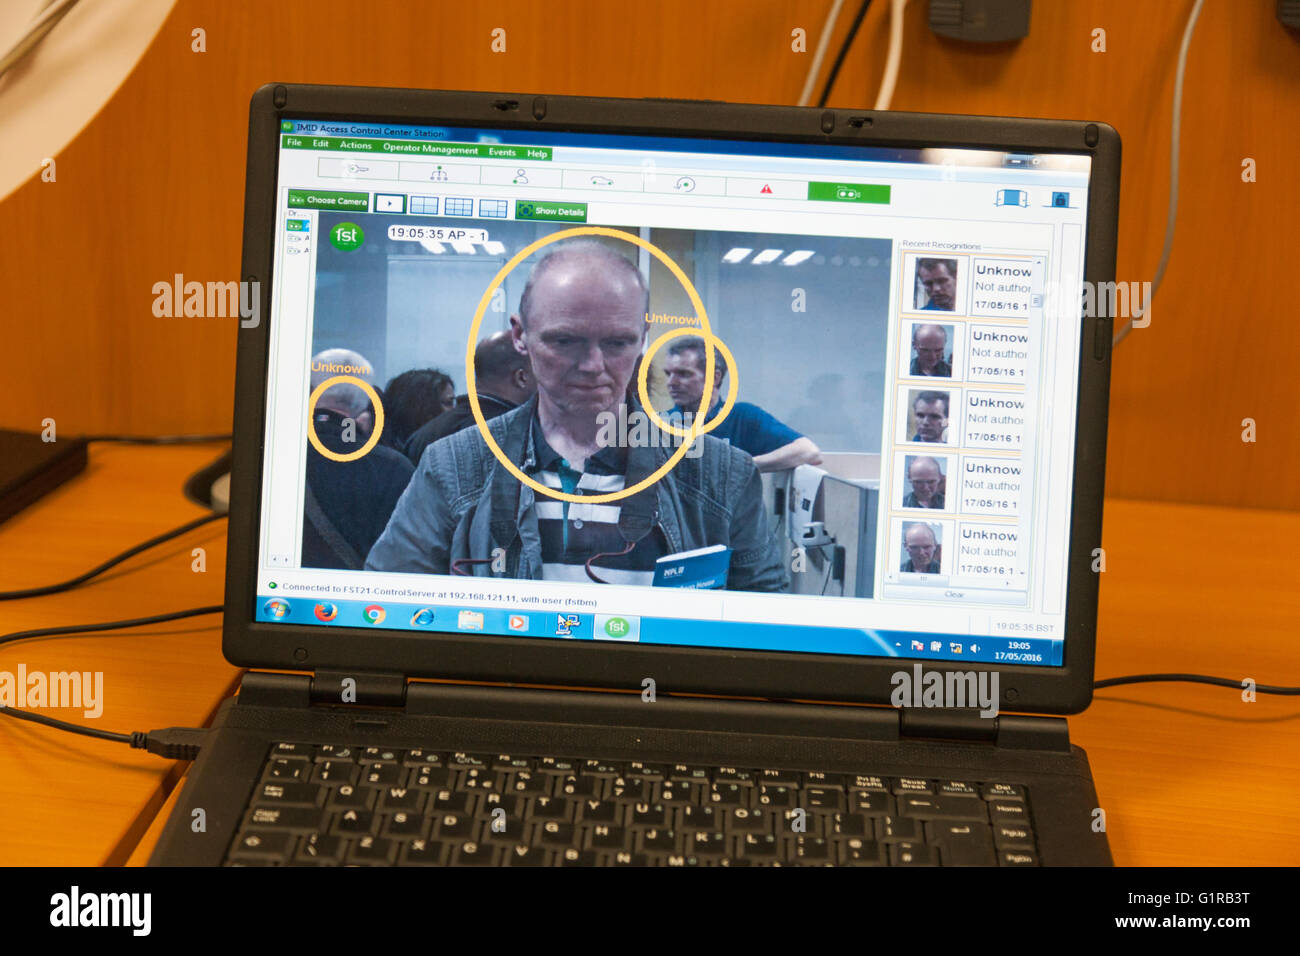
581, 322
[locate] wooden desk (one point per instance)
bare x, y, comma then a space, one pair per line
1187, 774
70, 800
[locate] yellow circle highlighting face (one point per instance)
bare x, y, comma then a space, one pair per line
519, 257
731, 391
366, 387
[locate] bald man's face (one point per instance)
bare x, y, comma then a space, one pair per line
924, 478
920, 545
585, 331
930, 343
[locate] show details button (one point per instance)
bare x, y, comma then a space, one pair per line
551, 211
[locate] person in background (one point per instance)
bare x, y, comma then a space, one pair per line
413, 399
503, 380
347, 503
770, 442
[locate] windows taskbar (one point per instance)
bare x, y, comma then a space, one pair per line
628, 629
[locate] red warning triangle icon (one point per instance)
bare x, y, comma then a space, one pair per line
766, 190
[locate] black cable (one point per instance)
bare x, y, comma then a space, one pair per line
1192, 679
159, 439
111, 562
174, 743
109, 625
844, 50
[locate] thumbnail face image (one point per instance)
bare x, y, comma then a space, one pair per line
925, 480
932, 348
559, 357
927, 415
936, 284
922, 548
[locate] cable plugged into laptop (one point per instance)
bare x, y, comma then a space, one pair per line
174, 743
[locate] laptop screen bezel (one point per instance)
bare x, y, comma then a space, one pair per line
697, 670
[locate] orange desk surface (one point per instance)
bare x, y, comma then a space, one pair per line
1187, 774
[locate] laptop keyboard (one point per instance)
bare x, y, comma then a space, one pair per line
337, 805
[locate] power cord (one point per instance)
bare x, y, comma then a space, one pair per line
844, 51
110, 563
822, 42
40, 632
1192, 679
159, 439
1175, 138
174, 743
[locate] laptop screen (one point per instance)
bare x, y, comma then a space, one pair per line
678, 391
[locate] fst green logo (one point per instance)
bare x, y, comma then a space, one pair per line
347, 236
617, 627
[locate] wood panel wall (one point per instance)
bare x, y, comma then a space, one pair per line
154, 187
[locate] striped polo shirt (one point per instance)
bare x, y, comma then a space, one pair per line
572, 533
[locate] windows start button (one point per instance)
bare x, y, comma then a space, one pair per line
615, 627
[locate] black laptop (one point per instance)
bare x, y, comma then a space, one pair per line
660, 483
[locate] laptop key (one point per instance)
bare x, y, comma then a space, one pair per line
1011, 836
334, 773
912, 785
456, 825
901, 829
260, 844
954, 807
551, 808
576, 857
1008, 811
371, 851
287, 770
470, 853
320, 848
383, 775
659, 840
1017, 858
871, 803
781, 778
351, 822
404, 825
424, 758
648, 815
401, 798
694, 816
554, 833
521, 854
962, 844
957, 787
602, 837
380, 755
593, 810
858, 853
913, 854
761, 847
298, 751
1003, 791
423, 853
851, 825
705, 843
285, 818
337, 753
821, 798
812, 851
287, 795
777, 796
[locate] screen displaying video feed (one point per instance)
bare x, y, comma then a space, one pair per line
658, 391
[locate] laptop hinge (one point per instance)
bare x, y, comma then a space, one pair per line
1007, 730
261, 689
358, 687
